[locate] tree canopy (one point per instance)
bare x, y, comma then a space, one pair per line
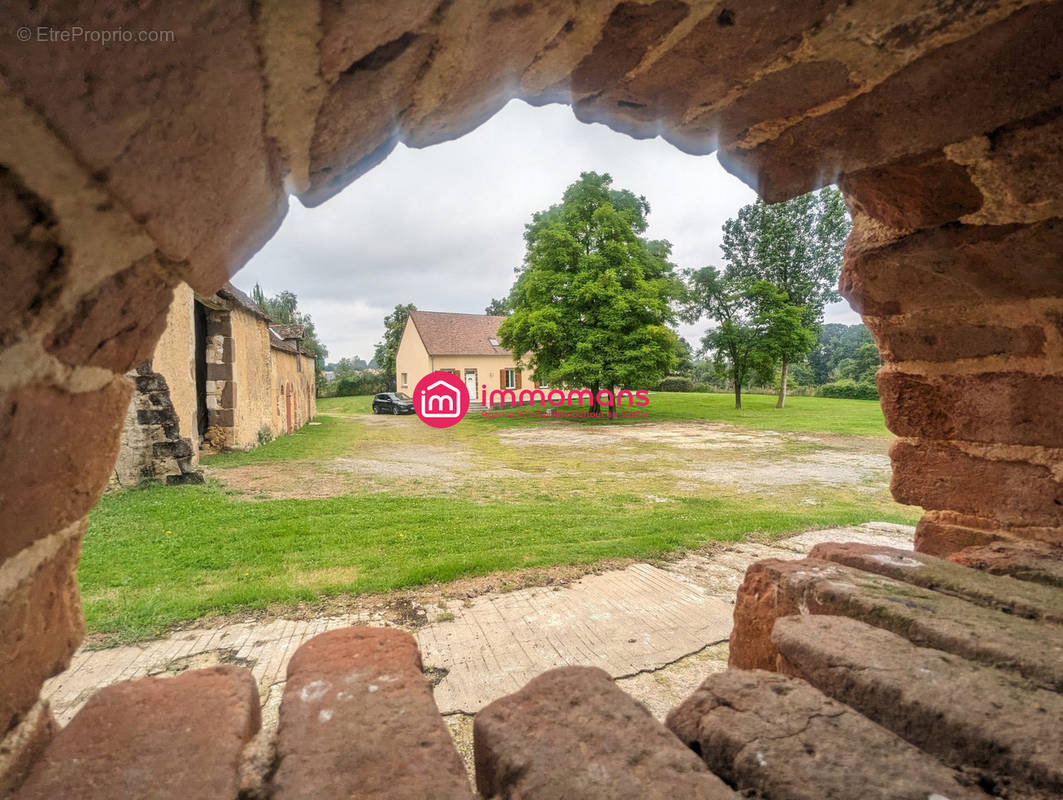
796, 246
389, 347
591, 304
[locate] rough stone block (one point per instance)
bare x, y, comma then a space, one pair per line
774, 589
939, 533
775, 736
963, 713
919, 569
941, 477
954, 265
920, 191
49, 482
1026, 561
23, 744
358, 720
571, 732
931, 339
994, 407
155, 737
40, 626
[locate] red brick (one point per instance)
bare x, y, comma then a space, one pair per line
40, 626
933, 340
954, 265
994, 407
156, 737
775, 736
965, 714
358, 720
1003, 593
774, 589
944, 478
173, 129
920, 191
571, 732
1006, 71
57, 450
1026, 561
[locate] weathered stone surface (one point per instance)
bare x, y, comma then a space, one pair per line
942, 477
997, 407
185, 114
933, 339
1027, 561
975, 84
352, 29
571, 732
954, 265
775, 736
965, 714
40, 624
774, 589
919, 569
23, 744
117, 324
155, 737
358, 720
939, 533
920, 191
357, 125
56, 452
34, 260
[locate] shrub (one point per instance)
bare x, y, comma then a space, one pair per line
676, 383
265, 435
849, 390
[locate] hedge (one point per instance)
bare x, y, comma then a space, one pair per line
850, 390
676, 383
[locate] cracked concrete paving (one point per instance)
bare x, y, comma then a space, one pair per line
657, 629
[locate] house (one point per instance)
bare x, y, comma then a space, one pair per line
223, 375
465, 345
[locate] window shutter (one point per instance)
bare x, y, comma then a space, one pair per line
518, 379
501, 379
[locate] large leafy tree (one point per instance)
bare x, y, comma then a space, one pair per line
591, 304
755, 324
284, 308
797, 247
497, 308
389, 347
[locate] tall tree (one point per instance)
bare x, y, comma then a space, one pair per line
284, 308
592, 300
756, 324
386, 349
796, 246
497, 308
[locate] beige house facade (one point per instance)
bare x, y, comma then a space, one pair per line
465, 345
222, 376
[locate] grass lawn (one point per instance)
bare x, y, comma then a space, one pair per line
367, 504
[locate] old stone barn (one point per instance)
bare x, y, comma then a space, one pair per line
222, 376
131, 168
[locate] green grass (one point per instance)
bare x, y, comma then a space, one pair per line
157, 556
802, 414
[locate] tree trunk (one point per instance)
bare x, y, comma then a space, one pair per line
782, 382
738, 396
596, 407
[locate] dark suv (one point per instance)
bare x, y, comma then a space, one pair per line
392, 403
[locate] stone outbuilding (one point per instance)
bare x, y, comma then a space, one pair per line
222, 376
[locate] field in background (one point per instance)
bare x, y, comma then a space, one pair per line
361, 503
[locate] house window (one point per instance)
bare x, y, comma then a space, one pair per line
404, 384
511, 379
493, 341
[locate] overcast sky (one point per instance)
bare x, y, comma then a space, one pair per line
442, 227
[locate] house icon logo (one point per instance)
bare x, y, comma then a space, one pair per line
440, 399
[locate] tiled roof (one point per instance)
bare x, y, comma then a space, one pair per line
446, 334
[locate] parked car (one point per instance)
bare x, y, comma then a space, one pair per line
392, 403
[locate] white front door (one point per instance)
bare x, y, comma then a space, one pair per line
470, 382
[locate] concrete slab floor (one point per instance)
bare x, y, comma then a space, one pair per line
657, 629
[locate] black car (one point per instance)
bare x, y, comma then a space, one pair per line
392, 403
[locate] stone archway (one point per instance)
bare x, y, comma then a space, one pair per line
128, 169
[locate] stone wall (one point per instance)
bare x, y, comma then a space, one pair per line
126, 169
